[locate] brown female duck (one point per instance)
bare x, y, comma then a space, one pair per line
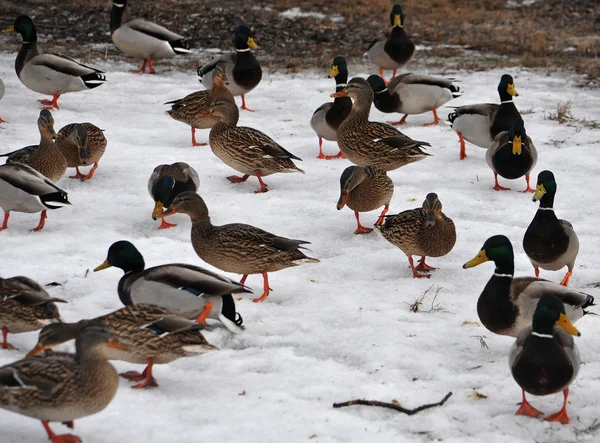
149, 333
424, 231
365, 189
246, 150
81, 144
367, 143
237, 247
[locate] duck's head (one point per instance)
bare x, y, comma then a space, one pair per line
219, 75
188, 203
224, 109
244, 39
55, 334
377, 83
24, 26
46, 124
358, 89
123, 255
497, 248
516, 135
91, 340
79, 138
506, 88
433, 209
550, 311
546, 185
397, 16
161, 193
339, 69
350, 179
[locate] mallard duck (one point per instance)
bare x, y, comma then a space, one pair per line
327, 118
544, 360
367, 143
412, 94
550, 243
480, 124
24, 306
244, 149
23, 189
512, 155
395, 50
186, 290
424, 231
193, 109
50, 74
243, 70
238, 248
166, 183
2, 89
45, 158
507, 304
150, 334
365, 189
140, 38
81, 144
63, 387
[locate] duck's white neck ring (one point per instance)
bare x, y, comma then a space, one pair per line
341, 85
243, 50
545, 209
382, 91
537, 334
502, 275
506, 101
25, 43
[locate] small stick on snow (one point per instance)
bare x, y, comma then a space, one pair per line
395, 405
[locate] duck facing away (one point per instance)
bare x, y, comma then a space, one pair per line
50, 74
166, 183
367, 143
24, 307
82, 144
140, 38
365, 189
45, 158
424, 231
395, 50
243, 70
189, 291
327, 118
480, 124
150, 335
544, 360
413, 94
23, 189
550, 243
507, 303
63, 387
512, 155
238, 248
193, 109
246, 150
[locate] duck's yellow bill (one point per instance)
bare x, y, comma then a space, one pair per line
397, 20
334, 72
104, 265
540, 191
516, 145
511, 90
251, 43
11, 29
566, 324
477, 260
158, 209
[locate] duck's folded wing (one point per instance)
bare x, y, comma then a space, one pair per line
226, 59
27, 179
487, 109
534, 288
400, 141
63, 64
153, 30
35, 298
43, 372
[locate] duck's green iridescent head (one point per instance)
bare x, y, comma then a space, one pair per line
546, 184
123, 255
24, 26
496, 248
244, 38
377, 83
397, 16
550, 311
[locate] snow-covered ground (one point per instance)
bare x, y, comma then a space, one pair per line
330, 332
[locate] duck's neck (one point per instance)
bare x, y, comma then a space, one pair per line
361, 108
386, 102
116, 17
28, 50
218, 90
505, 97
47, 147
504, 267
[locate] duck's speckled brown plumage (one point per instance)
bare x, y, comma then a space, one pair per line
95, 146
367, 143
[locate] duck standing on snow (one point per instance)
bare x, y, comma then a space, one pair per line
150, 334
24, 307
367, 143
244, 149
166, 183
412, 94
544, 360
393, 51
237, 247
480, 124
140, 38
50, 74
193, 109
2, 89
328, 117
243, 70
365, 189
424, 231
550, 243
186, 290
512, 155
23, 189
507, 303
81, 144
63, 387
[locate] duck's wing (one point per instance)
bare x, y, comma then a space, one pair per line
64, 65
27, 179
153, 30
254, 139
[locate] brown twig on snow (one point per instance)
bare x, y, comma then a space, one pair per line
394, 405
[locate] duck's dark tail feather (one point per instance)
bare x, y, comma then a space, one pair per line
93, 80
452, 116
180, 47
589, 302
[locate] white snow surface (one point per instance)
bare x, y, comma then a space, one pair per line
330, 332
